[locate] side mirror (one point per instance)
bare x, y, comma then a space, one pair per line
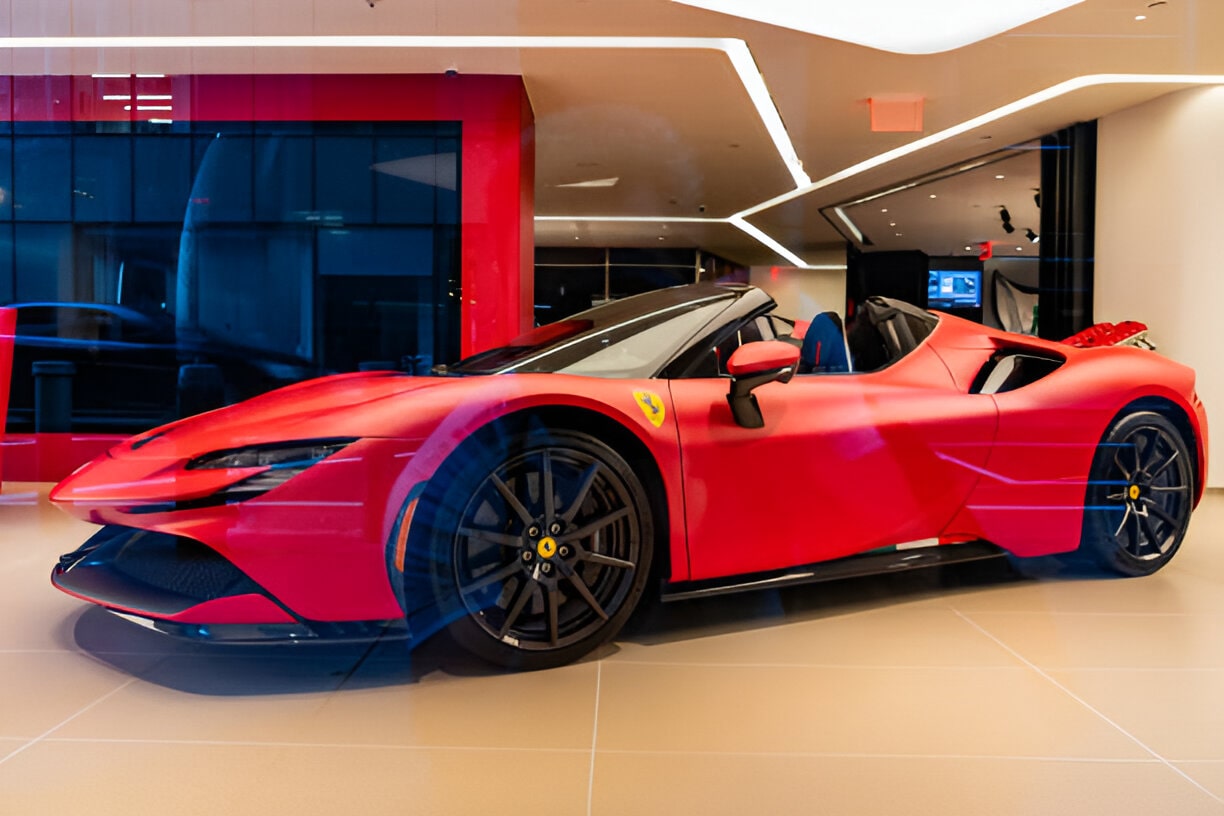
751, 366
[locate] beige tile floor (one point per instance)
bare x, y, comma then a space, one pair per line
965, 690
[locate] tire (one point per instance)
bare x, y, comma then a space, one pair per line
526, 583
1140, 494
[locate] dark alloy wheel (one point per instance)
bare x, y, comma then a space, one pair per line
541, 548
1140, 494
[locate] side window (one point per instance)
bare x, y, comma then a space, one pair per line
781, 327
757, 329
708, 358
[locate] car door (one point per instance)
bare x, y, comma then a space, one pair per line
845, 463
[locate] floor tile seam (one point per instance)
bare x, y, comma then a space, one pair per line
609, 751
892, 667
865, 755
1197, 761
44, 735
331, 746
1170, 669
594, 738
1094, 710
1072, 613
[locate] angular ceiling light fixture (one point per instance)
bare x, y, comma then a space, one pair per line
604, 182
900, 26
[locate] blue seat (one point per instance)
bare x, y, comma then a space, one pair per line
824, 346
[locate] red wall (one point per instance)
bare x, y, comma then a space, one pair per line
497, 166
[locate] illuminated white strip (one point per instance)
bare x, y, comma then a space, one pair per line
850, 225
767, 240
745, 68
741, 59
735, 50
1010, 109
734, 221
633, 219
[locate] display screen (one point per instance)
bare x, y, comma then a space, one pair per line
954, 289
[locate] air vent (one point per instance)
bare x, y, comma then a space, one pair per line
1011, 369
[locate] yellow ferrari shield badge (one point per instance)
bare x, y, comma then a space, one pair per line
652, 406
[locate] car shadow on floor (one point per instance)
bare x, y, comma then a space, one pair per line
658, 623
264, 668
311, 668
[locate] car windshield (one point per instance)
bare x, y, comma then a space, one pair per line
633, 337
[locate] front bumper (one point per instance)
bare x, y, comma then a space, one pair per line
179, 586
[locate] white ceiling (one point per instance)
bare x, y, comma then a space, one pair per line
670, 113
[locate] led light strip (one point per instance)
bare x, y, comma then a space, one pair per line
735, 50
1023, 104
1032, 100
734, 221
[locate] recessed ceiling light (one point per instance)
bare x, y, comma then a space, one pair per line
968, 249
898, 234
933, 196
1019, 249
1140, 17
892, 223
902, 26
885, 209
1000, 176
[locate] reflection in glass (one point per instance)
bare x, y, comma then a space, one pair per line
271, 251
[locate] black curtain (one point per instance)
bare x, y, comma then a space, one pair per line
1068, 224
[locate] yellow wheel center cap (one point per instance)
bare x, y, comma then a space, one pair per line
547, 547
1134, 492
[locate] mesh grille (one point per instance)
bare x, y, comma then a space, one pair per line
180, 565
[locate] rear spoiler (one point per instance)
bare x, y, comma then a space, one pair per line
1126, 333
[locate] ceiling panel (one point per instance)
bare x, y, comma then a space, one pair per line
662, 120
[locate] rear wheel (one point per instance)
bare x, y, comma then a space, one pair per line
542, 548
1140, 494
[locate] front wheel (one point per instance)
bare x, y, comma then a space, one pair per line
541, 548
1140, 494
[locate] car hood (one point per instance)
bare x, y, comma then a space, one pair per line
343, 405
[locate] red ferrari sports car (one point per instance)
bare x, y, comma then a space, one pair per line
525, 498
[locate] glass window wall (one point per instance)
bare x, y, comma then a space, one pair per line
273, 251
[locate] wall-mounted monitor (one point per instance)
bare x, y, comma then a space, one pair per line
954, 289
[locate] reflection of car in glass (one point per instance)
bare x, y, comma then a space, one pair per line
524, 500
127, 364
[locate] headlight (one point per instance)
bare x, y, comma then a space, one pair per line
287, 455
283, 461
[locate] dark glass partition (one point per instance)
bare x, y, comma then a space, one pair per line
265, 251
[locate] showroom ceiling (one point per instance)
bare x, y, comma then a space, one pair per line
666, 99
